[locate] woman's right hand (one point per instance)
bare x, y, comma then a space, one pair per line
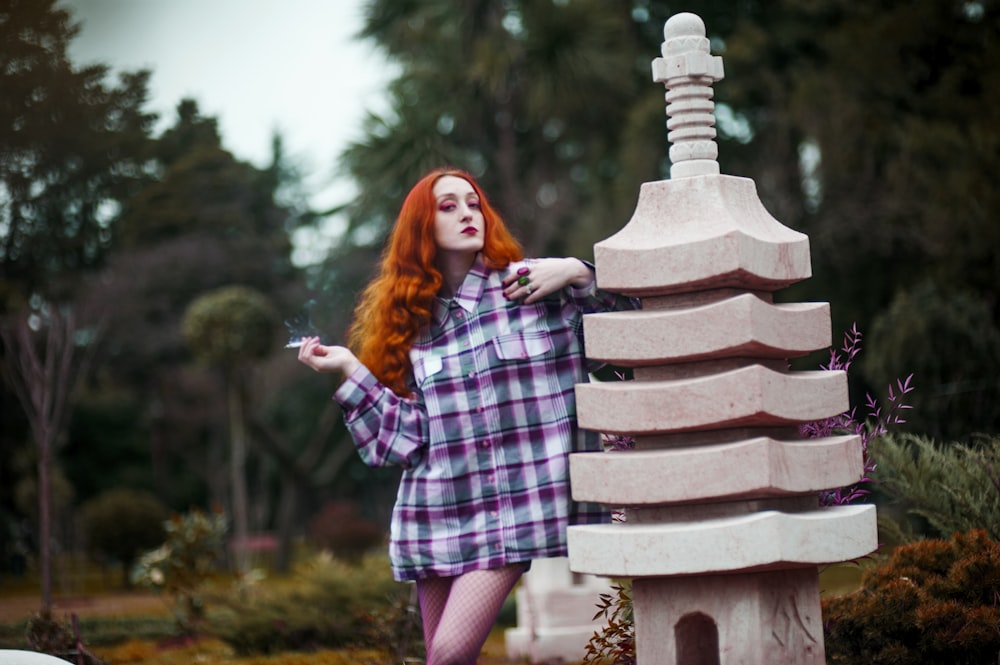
327, 358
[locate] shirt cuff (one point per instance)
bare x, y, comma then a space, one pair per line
589, 291
360, 386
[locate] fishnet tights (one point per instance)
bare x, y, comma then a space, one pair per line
458, 612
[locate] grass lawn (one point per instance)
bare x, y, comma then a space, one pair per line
146, 616
214, 651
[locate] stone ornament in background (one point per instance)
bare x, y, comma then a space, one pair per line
723, 531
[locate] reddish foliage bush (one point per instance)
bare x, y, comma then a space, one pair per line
934, 601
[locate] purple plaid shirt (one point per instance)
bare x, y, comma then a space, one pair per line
484, 442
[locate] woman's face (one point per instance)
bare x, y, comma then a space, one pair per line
458, 221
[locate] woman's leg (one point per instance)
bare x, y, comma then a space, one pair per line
456, 631
432, 593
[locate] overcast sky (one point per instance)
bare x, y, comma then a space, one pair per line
256, 65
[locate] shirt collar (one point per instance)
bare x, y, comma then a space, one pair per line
468, 294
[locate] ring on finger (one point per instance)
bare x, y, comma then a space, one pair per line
523, 280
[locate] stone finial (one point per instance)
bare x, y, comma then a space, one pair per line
688, 70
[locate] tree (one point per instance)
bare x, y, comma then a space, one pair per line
72, 150
875, 128
948, 339
43, 377
231, 328
208, 221
537, 118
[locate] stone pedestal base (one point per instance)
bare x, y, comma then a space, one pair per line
555, 613
741, 619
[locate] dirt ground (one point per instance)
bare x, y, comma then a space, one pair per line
21, 606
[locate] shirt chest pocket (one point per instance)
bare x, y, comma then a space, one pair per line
522, 345
426, 367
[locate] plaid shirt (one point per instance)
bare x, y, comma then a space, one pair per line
484, 442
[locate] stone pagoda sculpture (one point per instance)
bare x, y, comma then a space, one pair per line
724, 532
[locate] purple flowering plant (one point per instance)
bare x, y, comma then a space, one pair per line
876, 422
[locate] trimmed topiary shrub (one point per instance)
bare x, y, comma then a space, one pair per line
120, 524
934, 601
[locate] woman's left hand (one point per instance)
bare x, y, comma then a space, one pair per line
537, 279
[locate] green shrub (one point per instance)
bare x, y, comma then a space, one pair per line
932, 602
12, 634
181, 567
329, 603
99, 630
120, 524
954, 487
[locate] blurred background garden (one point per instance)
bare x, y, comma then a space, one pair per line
160, 448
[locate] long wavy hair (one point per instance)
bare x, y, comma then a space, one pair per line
396, 304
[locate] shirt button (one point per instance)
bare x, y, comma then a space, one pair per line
480, 409
497, 546
485, 444
494, 514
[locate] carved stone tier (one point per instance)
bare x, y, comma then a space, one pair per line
759, 467
756, 541
698, 233
750, 396
742, 325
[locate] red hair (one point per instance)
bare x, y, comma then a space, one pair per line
397, 303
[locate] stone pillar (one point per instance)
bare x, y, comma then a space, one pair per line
724, 531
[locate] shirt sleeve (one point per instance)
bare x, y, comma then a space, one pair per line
387, 429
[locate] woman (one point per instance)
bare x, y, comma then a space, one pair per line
467, 357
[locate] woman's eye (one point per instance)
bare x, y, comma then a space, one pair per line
474, 205
447, 207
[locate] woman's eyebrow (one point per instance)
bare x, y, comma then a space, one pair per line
453, 195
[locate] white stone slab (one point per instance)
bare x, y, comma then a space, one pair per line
549, 645
555, 612
758, 541
759, 467
744, 325
17, 657
697, 233
747, 396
